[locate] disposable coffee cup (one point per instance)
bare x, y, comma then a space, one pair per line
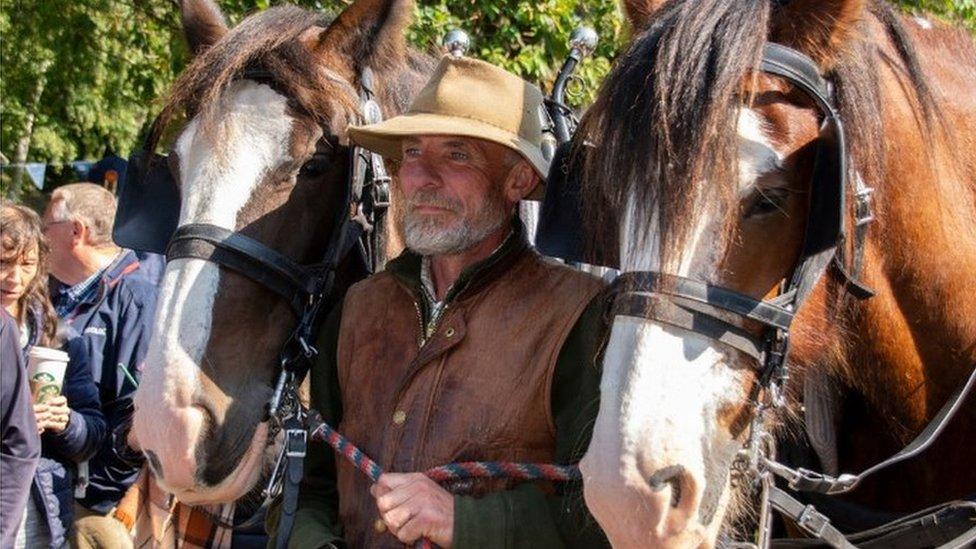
46, 366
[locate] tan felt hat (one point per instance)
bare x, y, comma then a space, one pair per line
469, 98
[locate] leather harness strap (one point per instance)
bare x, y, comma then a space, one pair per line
248, 257
808, 518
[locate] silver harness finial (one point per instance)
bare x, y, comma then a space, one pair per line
456, 42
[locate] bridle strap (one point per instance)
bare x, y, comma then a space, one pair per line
809, 481
657, 307
248, 257
800, 71
716, 297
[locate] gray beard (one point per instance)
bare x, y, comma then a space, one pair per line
426, 236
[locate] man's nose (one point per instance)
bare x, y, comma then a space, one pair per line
419, 174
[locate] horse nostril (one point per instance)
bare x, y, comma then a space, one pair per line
154, 464
668, 476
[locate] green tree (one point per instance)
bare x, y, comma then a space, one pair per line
82, 76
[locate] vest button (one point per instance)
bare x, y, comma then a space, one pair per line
379, 526
449, 332
399, 417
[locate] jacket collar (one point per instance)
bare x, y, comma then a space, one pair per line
125, 263
406, 267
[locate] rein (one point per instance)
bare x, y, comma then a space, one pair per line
760, 329
323, 432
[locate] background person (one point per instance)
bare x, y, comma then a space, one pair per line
20, 445
71, 424
104, 295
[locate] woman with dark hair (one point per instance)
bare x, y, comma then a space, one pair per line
72, 426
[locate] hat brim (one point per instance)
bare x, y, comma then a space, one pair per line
385, 137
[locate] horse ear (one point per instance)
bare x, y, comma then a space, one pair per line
641, 12
203, 24
369, 29
819, 28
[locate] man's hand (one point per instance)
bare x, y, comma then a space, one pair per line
414, 507
59, 412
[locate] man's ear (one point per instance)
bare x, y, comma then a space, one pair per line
79, 232
521, 181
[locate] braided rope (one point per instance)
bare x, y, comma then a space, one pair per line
452, 471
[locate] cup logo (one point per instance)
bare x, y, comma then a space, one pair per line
44, 386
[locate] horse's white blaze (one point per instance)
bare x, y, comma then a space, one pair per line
662, 393
757, 156
219, 171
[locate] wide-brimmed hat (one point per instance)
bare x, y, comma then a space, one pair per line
469, 98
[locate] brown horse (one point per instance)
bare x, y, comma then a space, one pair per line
710, 163
268, 158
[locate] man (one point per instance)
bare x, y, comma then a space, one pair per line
468, 347
105, 297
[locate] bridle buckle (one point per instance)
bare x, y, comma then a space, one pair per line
296, 443
863, 213
813, 521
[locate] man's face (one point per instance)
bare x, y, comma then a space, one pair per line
60, 234
456, 192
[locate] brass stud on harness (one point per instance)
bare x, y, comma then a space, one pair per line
399, 417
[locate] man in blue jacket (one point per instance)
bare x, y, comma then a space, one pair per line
106, 297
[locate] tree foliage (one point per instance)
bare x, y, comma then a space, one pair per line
97, 68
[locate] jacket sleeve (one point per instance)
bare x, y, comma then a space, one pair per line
20, 447
86, 428
525, 516
317, 517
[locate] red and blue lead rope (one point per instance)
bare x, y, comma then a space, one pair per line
452, 471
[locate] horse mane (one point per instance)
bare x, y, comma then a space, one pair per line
268, 40
665, 121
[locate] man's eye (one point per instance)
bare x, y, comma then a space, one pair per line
411, 152
457, 155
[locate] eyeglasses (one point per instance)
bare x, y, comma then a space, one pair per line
45, 226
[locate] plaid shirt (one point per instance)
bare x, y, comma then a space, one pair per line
435, 308
154, 519
70, 297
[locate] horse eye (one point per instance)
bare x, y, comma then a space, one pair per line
765, 202
315, 166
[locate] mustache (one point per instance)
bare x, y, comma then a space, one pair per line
435, 199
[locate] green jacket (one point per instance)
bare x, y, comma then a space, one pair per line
521, 517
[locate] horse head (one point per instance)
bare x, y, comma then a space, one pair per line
709, 163
263, 152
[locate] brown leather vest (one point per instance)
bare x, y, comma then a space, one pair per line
478, 389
